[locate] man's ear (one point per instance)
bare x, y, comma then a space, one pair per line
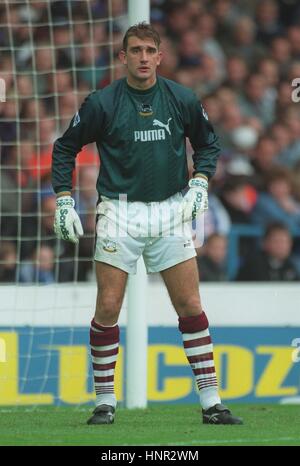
122, 57
159, 58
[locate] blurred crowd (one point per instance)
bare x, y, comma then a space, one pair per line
242, 59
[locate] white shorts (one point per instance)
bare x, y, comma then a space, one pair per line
127, 230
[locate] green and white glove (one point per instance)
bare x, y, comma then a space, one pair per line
195, 201
67, 224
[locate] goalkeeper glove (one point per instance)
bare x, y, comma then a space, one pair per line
196, 199
67, 224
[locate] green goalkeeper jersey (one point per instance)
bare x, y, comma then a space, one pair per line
141, 139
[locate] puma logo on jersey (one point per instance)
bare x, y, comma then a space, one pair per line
162, 125
153, 134
150, 135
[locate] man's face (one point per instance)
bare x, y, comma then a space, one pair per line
141, 58
216, 249
278, 245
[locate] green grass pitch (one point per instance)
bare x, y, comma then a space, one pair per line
174, 425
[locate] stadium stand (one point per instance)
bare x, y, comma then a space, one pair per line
240, 57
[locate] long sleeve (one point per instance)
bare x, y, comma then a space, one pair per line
203, 139
84, 128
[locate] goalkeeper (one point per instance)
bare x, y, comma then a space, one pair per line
140, 124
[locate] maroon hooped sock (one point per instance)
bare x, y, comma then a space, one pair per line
104, 343
199, 352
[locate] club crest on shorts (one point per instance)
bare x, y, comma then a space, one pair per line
109, 246
187, 244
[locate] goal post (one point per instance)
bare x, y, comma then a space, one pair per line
137, 330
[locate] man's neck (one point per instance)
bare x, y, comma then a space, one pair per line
141, 86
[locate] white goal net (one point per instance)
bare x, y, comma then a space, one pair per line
53, 53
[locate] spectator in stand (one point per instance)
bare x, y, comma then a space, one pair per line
25, 87
289, 155
62, 38
212, 75
272, 262
289, 12
178, 20
268, 21
282, 137
168, 66
236, 73
189, 76
277, 203
257, 101
243, 41
40, 161
157, 19
264, 159
94, 62
284, 100
34, 226
269, 68
41, 267
293, 34
227, 96
32, 111
280, 51
44, 63
59, 83
293, 71
15, 176
8, 261
206, 25
231, 118
194, 9
291, 119
226, 14
190, 49
238, 197
212, 259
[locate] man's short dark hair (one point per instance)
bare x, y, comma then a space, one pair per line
274, 227
143, 31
